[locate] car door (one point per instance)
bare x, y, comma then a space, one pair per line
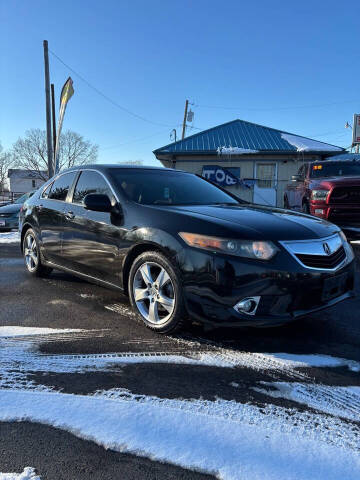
50, 215
90, 239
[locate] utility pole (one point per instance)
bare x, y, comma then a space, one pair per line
48, 111
184, 122
53, 121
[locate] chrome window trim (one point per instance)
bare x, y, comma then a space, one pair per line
286, 244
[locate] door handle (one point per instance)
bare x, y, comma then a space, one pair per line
70, 215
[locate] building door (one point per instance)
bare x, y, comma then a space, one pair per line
265, 186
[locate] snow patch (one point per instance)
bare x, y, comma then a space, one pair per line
313, 396
300, 360
303, 144
230, 449
9, 237
27, 474
234, 151
15, 331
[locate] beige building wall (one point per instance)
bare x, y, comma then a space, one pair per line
286, 167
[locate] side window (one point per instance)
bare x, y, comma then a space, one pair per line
61, 186
90, 182
46, 191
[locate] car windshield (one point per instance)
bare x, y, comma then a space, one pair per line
335, 169
157, 187
23, 198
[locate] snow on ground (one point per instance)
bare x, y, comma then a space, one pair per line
230, 449
303, 144
27, 474
297, 360
313, 396
9, 237
230, 439
15, 331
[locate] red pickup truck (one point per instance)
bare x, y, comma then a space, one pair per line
329, 190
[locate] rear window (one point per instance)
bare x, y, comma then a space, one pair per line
61, 186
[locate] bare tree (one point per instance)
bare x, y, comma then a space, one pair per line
74, 150
30, 152
6, 162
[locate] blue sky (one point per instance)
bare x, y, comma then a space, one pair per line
288, 65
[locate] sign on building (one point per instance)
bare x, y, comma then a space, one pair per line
356, 129
219, 175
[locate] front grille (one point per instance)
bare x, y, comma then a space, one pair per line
6, 215
323, 261
345, 195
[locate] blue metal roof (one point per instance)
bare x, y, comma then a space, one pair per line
241, 134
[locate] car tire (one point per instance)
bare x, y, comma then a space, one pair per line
156, 293
305, 208
32, 255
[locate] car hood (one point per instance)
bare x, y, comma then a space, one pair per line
260, 222
330, 182
12, 208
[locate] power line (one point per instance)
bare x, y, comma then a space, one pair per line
106, 97
293, 107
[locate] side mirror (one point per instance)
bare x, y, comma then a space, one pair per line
296, 178
97, 202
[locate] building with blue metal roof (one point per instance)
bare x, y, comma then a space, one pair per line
262, 157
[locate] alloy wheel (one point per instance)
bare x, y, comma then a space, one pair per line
154, 293
31, 253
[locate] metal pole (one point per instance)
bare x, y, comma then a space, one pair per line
184, 122
48, 111
53, 122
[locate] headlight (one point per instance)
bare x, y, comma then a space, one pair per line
319, 194
348, 248
242, 248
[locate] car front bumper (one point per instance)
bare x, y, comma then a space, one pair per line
8, 223
214, 284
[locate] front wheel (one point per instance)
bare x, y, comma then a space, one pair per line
156, 294
32, 255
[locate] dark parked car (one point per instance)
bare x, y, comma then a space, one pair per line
329, 190
9, 214
181, 247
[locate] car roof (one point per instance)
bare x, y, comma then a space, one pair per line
107, 166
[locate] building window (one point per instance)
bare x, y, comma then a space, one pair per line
33, 183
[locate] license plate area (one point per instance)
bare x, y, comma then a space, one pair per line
334, 287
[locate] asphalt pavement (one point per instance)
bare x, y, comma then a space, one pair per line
62, 301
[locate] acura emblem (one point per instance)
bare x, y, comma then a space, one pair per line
326, 248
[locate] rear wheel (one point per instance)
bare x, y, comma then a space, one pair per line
156, 294
32, 255
305, 208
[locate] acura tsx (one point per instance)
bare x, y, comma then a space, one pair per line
183, 248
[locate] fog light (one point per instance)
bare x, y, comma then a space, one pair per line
247, 305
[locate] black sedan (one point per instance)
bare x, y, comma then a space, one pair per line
9, 214
183, 248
